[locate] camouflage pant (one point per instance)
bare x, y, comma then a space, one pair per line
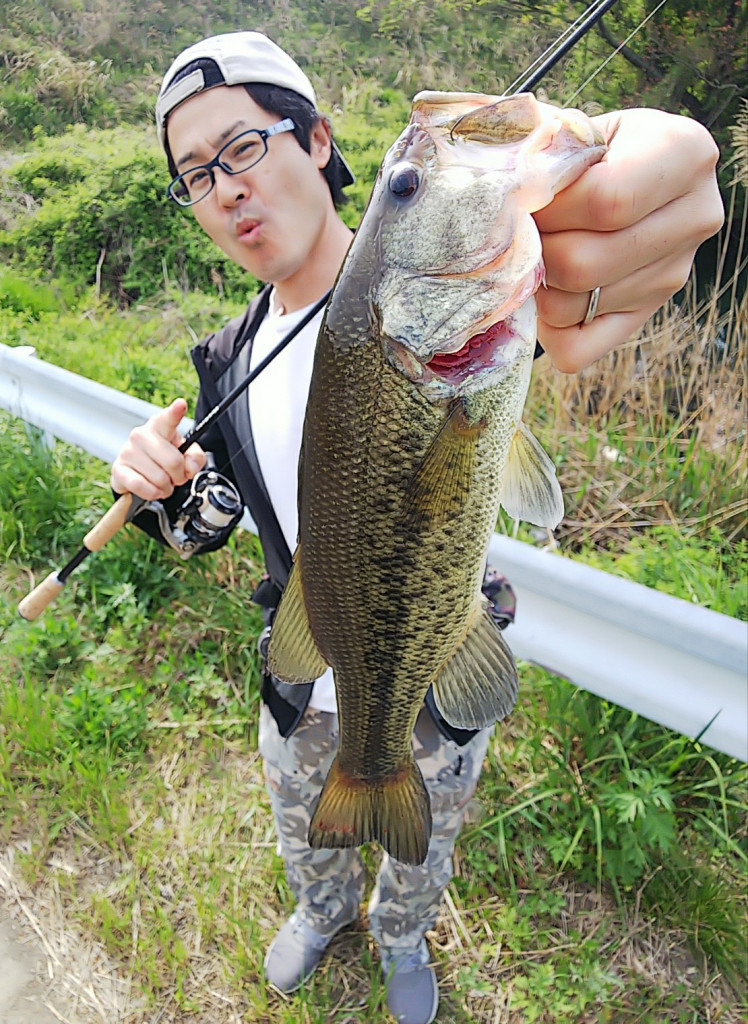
328, 884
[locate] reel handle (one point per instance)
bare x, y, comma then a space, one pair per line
110, 523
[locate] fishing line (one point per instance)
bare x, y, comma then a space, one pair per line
616, 51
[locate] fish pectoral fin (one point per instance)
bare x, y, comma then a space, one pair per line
394, 810
530, 489
478, 685
293, 655
442, 482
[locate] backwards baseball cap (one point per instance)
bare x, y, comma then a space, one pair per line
234, 58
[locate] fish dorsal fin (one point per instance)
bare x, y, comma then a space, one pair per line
443, 480
530, 490
478, 685
293, 655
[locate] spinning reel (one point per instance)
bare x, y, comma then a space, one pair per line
209, 512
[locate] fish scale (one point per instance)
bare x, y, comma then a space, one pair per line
404, 463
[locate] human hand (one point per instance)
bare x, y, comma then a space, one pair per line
150, 464
630, 224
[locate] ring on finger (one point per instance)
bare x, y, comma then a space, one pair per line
592, 306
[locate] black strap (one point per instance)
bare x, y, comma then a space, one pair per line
197, 431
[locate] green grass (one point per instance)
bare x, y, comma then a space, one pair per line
144, 352
601, 876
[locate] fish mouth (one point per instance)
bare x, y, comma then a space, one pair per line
479, 352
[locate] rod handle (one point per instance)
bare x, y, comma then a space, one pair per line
110, 523
113, 520
34, 603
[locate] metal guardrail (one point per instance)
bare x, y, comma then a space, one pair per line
681, 665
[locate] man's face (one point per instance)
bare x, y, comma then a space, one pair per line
270, 218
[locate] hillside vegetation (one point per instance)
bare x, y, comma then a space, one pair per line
90, 206
99, 60
602, 874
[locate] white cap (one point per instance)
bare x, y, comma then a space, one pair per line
239, 58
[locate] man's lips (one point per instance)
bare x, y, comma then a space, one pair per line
476, 353
247, 229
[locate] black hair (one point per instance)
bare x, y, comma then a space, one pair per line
285, 103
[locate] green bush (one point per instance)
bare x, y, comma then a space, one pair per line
707, 570
21, 109
100, 217
28, 298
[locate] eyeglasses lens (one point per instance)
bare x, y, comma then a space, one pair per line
237, 155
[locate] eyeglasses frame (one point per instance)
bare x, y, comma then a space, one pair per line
286, 125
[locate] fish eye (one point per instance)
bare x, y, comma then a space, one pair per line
404, 182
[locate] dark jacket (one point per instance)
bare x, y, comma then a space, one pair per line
222, 360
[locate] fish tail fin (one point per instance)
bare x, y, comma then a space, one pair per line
395, 811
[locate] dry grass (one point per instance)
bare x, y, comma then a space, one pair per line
156, 904
196, 866
655, 431
82, 984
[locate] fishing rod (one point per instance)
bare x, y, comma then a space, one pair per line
557, 50
127, 506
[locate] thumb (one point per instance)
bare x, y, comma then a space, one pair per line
165, 423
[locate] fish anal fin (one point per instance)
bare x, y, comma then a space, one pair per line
395, 811
443, 480
478, 685
293, 655
530, 490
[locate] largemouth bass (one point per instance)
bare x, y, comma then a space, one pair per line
412, 438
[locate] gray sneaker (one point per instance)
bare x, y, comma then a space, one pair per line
412, 991
295, 953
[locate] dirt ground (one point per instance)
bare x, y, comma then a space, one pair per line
49, 973
24, 980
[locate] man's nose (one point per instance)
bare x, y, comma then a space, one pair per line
230, 188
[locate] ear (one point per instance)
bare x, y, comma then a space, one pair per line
320, 142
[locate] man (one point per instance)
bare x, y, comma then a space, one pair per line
253, 161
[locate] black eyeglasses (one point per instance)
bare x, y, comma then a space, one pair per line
239, 154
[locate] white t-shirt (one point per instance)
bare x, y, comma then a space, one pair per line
277, 402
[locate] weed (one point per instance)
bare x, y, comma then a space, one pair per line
96, 716
602, 877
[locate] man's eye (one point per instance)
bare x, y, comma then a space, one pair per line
196, 179
243, 149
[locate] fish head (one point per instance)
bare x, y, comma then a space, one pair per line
458, 255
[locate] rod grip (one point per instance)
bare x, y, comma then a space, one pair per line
109, 524
34, 603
